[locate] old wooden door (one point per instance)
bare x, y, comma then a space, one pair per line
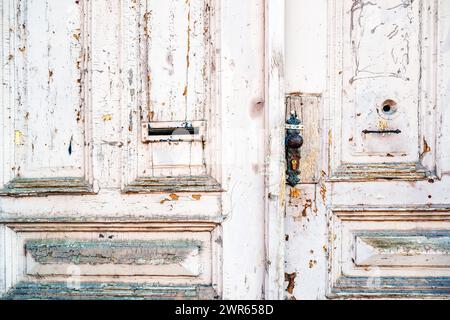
131, 130
370, 217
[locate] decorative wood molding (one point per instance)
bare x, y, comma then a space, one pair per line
112, 291
387, 171
379, 252
412, 287
15, 76
138, 170
45, 187
141, 259
174, 184
340, 97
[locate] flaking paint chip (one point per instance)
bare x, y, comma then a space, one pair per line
174, 197
18, 137
107, 117
295, 193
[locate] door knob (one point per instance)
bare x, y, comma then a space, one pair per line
293, 144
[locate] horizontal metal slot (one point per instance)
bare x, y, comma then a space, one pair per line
381, 131
172, 131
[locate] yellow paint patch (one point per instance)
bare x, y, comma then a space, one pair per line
383, 124
197, 196
107, 117
77, 34
18, 137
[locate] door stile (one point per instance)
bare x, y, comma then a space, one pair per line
274, 137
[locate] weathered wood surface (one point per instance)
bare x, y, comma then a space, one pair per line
376, 223
80, 81
83, 80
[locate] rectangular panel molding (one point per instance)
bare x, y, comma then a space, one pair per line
46, 135
382, 89
389, 252
169, 86
126, 260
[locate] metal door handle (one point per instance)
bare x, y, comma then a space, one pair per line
293, 143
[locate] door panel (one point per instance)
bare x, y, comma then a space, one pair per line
383, 94
126, 171
45, 84
69, 260
395, 253
168, 81
375, 223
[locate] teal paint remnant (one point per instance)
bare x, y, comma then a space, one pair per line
110, 291
420, 242
80, 252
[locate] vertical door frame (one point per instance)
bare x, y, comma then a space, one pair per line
275, 160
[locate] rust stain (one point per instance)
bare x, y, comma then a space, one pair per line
290, 278
323, 192
312, 263
197, 196
295, 193
188, 35
426, 147
188, 50
306, 206
174, 197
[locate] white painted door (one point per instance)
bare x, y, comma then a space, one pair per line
371, 215
132, 149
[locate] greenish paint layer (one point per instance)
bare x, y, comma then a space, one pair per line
110, 291
111, 252
393, 286
418, 242
22, 187
174, 184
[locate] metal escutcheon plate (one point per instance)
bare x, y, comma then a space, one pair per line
294, 126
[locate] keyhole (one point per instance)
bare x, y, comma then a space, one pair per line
389, 107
